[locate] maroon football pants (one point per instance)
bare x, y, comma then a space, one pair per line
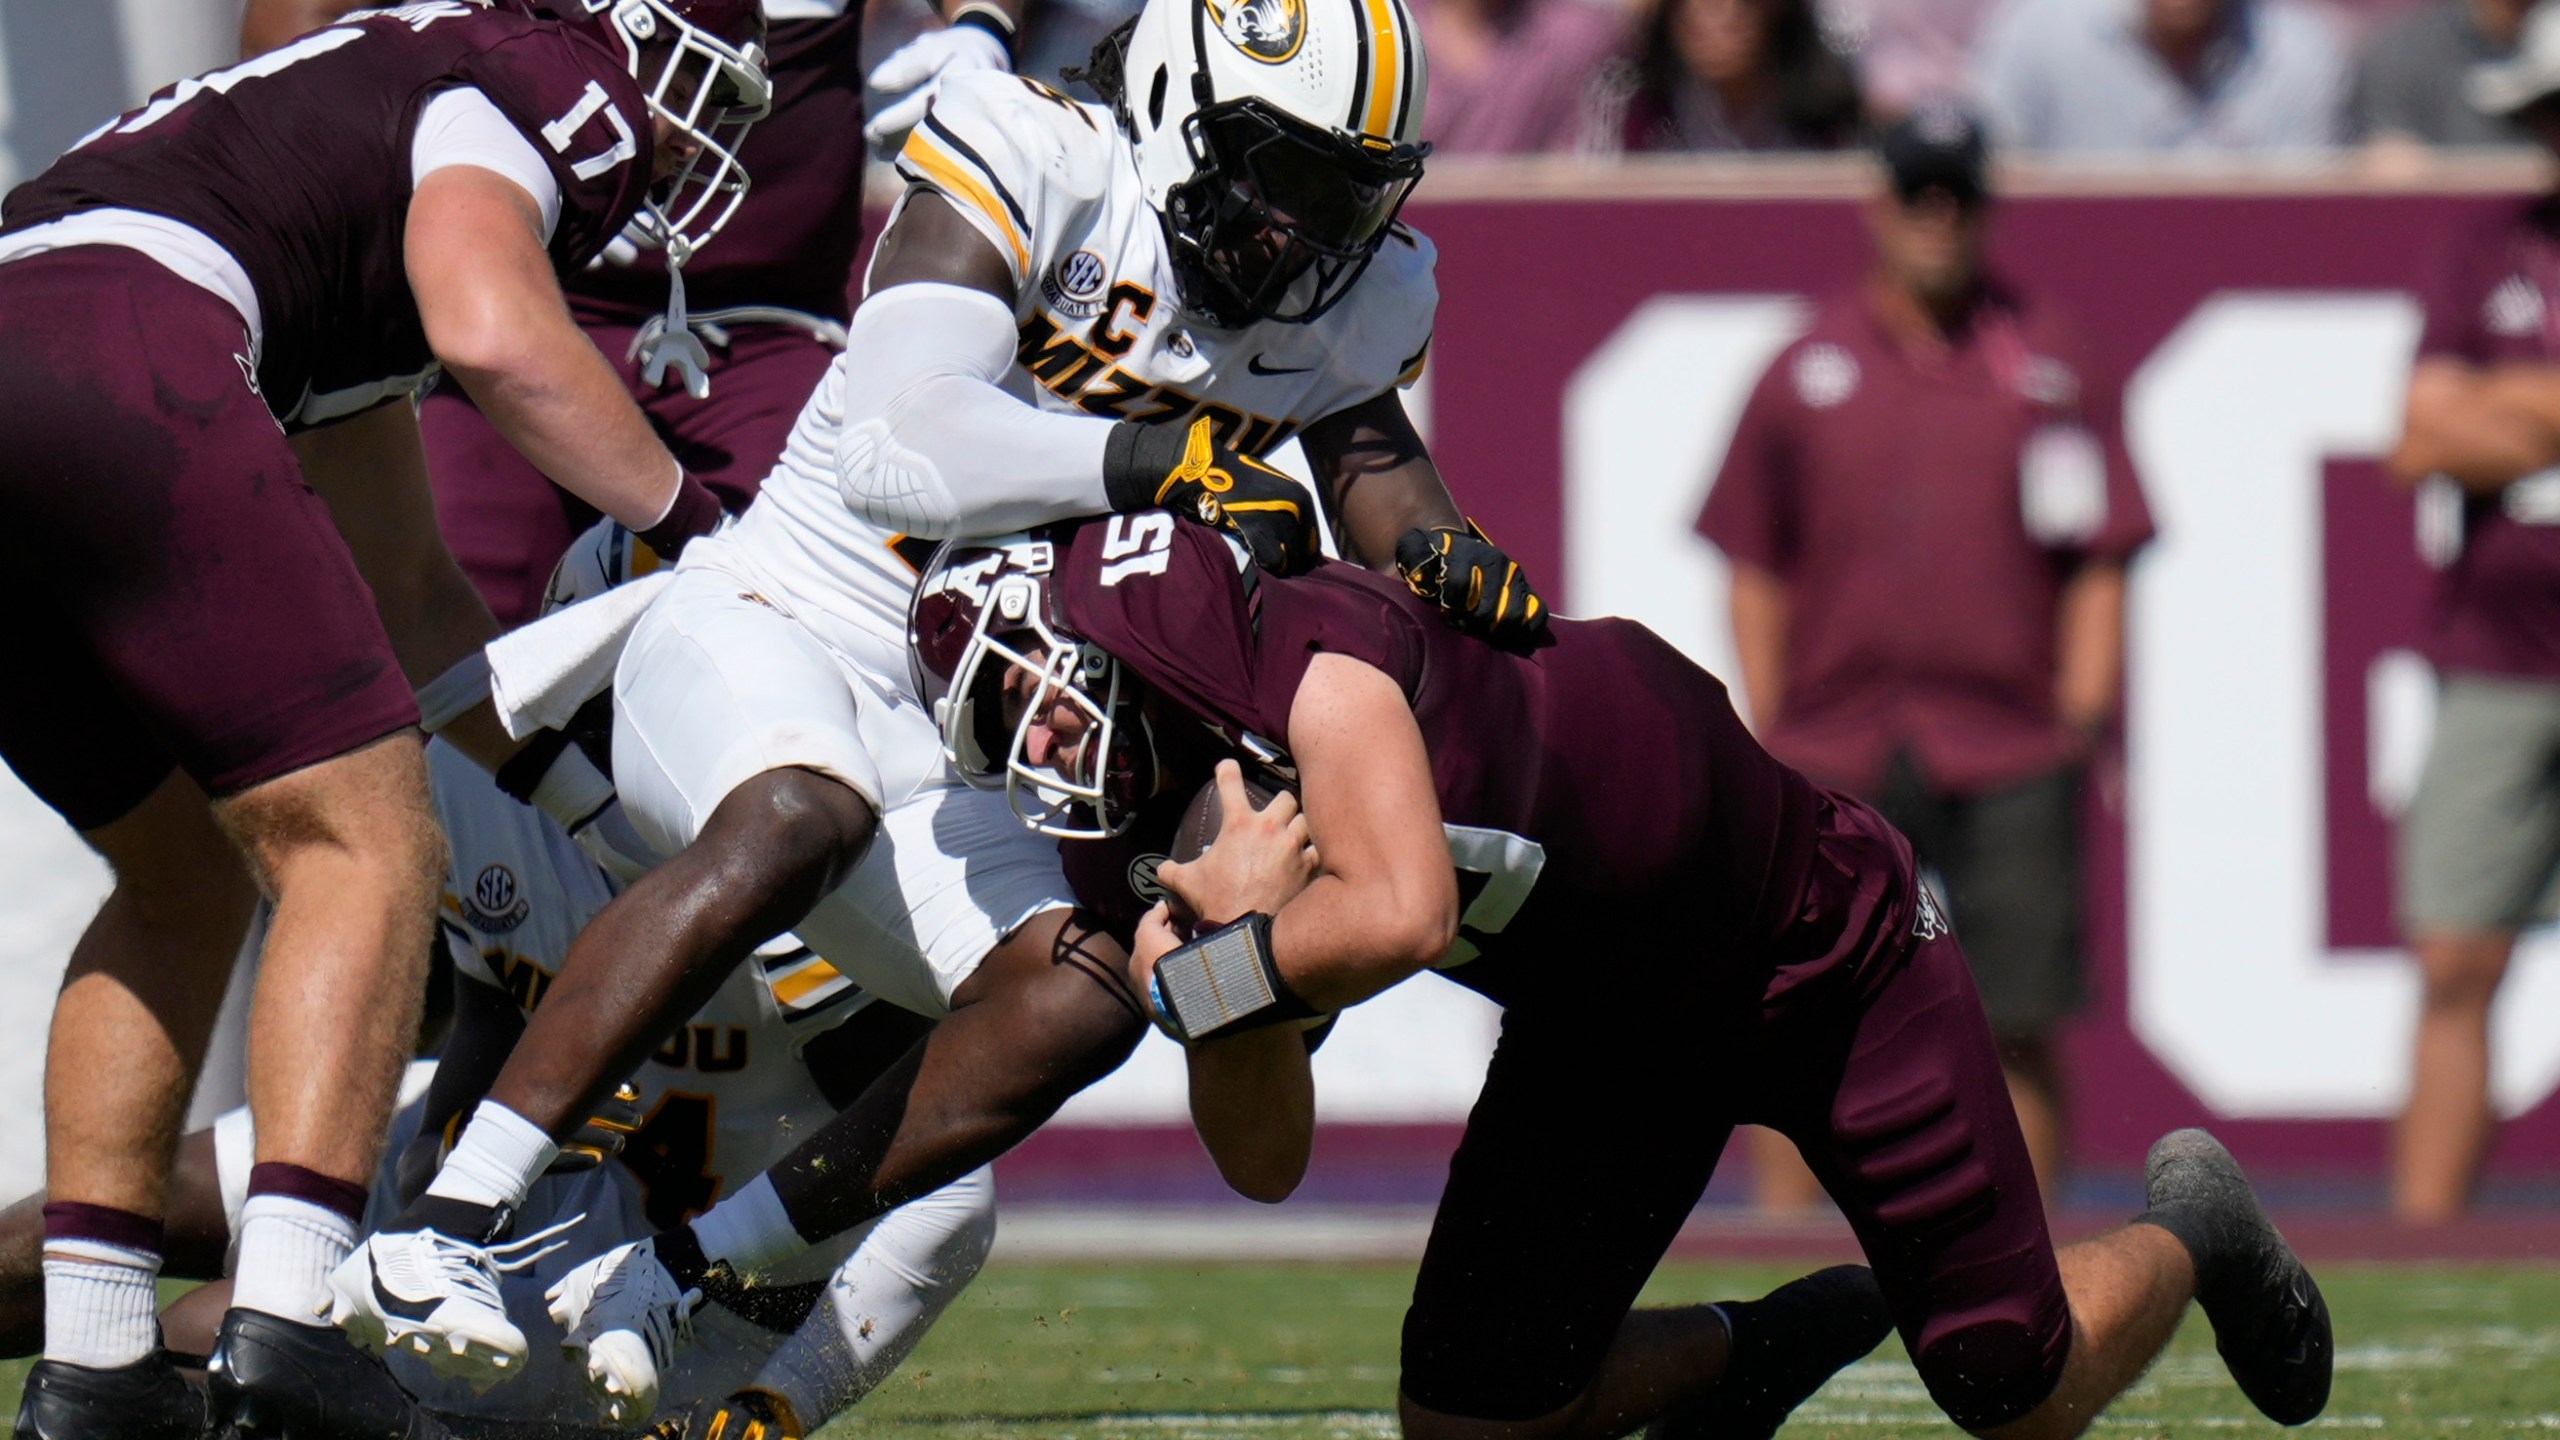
1603, 1115
179, 594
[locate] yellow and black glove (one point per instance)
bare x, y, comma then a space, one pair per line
747, 1415
1478, 587
1190, 471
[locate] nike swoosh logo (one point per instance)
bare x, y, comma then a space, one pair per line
401, 1305
1257, 367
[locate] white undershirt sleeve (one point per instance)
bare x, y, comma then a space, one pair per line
463, 127
931, 445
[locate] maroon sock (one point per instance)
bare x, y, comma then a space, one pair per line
274, 1177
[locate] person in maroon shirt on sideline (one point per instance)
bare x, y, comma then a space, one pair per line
1683, 933
767, 306
1929, 509
2479, 848
217, 305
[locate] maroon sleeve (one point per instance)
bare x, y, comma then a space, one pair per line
1747, 514
2456, 288
586, 117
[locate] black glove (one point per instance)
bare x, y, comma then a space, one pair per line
1478, 587
746, 1415
1188, 470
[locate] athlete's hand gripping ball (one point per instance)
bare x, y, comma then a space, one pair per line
1189, 470
1478, 587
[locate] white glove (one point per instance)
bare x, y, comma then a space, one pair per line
907, 79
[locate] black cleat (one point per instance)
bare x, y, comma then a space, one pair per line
2269, 1323
1784, 1346
272, 1379
146, 1400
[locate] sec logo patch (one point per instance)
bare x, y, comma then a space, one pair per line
494, 905
1074, 286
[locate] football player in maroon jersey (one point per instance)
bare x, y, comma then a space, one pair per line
1684, 933
764, 311
218, 305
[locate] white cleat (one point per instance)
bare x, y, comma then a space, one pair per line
623, 1318
437, 1298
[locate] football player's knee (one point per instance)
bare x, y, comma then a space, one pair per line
1990, 1372
800, 816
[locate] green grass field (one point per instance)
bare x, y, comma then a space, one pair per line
1307, 1352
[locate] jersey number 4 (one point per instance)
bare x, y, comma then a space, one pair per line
671, 1155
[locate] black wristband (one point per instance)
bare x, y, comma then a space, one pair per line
1135, 462
694, 511
1224, 983
525, 768
988, 18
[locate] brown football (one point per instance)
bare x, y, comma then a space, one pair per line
1203, 817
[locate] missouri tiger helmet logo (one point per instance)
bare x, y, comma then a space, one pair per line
1268, 30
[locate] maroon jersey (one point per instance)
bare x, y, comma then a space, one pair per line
297, 163
1923, 503
2497, 603
793, 240
1595, 789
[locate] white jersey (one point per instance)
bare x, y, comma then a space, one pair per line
1053, 185
728, 1094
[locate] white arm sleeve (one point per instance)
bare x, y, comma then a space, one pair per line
464, 127
931, 445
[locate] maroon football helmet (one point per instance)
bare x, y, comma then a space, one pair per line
984, 607
709, 82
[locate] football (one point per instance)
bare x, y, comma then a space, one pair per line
1202, 818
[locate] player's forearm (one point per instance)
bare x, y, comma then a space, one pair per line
1759, 601
931, 444
1345, 940
1377, 479
2089, 647
2484, 429
1253, 1101
553, 396
494, 316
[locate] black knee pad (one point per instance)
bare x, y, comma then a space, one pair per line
1991, 1372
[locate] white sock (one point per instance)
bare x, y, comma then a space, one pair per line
750, 1230
287, 1249
500, 1155
101, 1306
883, 1299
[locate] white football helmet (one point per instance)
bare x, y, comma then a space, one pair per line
604, 556
1277, 139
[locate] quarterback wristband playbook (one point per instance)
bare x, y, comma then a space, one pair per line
1223, 983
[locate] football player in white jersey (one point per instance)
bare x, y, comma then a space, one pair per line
762, 1063
1075, 310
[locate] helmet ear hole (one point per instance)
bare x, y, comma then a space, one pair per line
1155, 99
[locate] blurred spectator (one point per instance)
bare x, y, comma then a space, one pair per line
1516, 77
1905, 52
1727, 75
2136, 75
2480, 844
1929, 508
2408, 82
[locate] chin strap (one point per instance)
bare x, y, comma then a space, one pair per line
675, 344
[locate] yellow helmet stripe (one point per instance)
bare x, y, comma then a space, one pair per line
1386, 70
